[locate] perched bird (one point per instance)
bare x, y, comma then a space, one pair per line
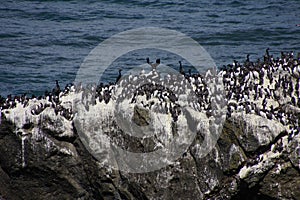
267, 52
148, 61
56, 90
119, 76
153, 65
181, 71
248, 60
267, 55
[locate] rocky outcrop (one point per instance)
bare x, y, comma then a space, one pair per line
252, 159
232, 136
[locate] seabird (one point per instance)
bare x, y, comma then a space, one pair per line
56, 90
181, 71
248, 60
267, 53
119, 76
153, 65
148, 61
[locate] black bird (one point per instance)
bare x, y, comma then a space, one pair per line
248, 60
267, 52
119, 76
181, 71
267, 55
56, 90
148, 61
153, 65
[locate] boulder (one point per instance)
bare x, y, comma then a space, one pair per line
254, 132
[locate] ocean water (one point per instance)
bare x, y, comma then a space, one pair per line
44, 41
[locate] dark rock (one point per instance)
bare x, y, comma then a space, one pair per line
141, 116
293, 152
59, 169
282, 182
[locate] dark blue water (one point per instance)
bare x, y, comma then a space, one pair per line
42, 41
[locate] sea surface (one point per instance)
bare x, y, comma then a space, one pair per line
44, 41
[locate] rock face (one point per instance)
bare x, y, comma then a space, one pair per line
255, 132
252, 159
234, 136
